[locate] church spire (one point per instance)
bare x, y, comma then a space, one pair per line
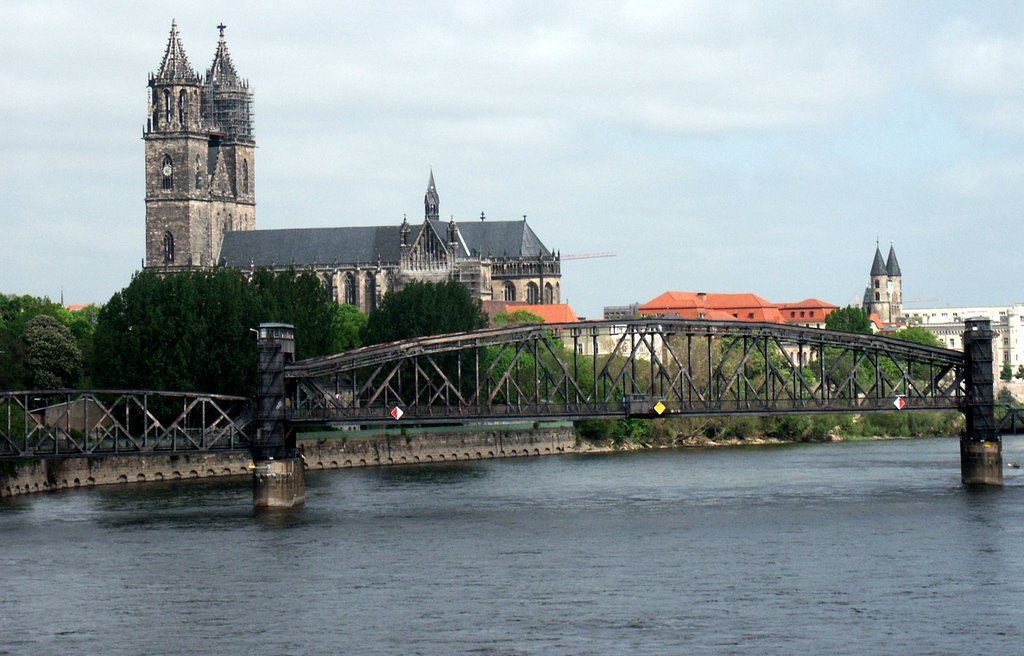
222, 70
175, 64
892, 267
878, 265
431, 201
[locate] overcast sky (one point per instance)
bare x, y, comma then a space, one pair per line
713, 146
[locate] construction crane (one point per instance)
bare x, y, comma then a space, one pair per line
586, 256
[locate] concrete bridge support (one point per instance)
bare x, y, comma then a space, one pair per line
981, 451
278, 478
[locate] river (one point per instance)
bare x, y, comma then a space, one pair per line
849, 548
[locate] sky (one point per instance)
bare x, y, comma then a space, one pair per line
719, 146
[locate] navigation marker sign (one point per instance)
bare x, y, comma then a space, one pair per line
397, 413
659, 407
900, 403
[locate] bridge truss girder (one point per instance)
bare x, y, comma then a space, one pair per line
617, 369
77, 423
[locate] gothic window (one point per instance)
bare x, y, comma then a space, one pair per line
167, 107
509, 291
181, 108
878, 296
350, 289
876, 284
199, 173
168, 173
549, 294
168, 248
245, 176
370, 292
532, 293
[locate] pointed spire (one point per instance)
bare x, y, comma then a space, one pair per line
892, 267
878, 265
431, 201
222, 70
175, 64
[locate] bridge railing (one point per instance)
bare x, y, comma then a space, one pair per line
75, 423
625, 368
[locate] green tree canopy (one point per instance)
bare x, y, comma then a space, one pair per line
424, 308
516, 318
918, 335
849, 319
191, 331
53, 358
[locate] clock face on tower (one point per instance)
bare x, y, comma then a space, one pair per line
167, 169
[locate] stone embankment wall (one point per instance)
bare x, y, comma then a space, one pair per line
325, 451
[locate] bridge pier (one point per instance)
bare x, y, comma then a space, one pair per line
981, 450
278, 478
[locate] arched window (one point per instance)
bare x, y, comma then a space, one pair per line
370, 292
532, 293
167, 107
245, 176
181, 108
876, 284
168, 173
350, 289
168, 248
549, 294
509, 291
329, 287
878, 296
199, 173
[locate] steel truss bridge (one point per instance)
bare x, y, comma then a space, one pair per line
636, 368
77, 423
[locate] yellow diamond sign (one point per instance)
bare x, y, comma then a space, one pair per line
659, 407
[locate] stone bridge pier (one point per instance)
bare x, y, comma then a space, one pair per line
981, 450
278, 479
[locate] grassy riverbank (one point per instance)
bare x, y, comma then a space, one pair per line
711, 431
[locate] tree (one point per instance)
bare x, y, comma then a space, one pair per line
1006, 373
918, 335
349, 325
517, 318
849, 319
424, 308
1020, 373
53, 358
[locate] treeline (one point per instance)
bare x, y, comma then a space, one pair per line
193, 331
789, 428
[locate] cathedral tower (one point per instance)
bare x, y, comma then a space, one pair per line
884, 295
200, 179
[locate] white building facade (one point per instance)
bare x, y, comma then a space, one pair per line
948, 325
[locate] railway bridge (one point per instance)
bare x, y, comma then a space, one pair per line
647, 368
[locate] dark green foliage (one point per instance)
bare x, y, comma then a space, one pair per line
422, 309
849, 319
1020, 373
52, 356
16, 312
918, 335
191, 331
1006, 373
517, 318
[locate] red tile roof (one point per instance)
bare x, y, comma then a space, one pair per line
733, 307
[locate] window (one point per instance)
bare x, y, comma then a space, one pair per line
532, 293
878, 296
168, 173
549, 293
350, 289
181, 109
509, 291
167, 107
812, 313
802, 314
199, 173
168, 248
370, 292
245, 176
876, 284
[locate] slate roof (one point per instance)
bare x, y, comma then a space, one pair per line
878, 265
306, 246
892, 267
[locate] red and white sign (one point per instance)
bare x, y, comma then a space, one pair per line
397, 413
900, 403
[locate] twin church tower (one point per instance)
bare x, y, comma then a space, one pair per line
200, 167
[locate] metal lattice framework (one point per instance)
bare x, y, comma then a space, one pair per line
617, 368
1012, 421
76, 423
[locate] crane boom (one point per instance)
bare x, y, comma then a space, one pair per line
586, 256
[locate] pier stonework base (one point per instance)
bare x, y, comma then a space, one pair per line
279, 483
981, 451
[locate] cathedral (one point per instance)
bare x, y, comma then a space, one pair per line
201, 208
884, 294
